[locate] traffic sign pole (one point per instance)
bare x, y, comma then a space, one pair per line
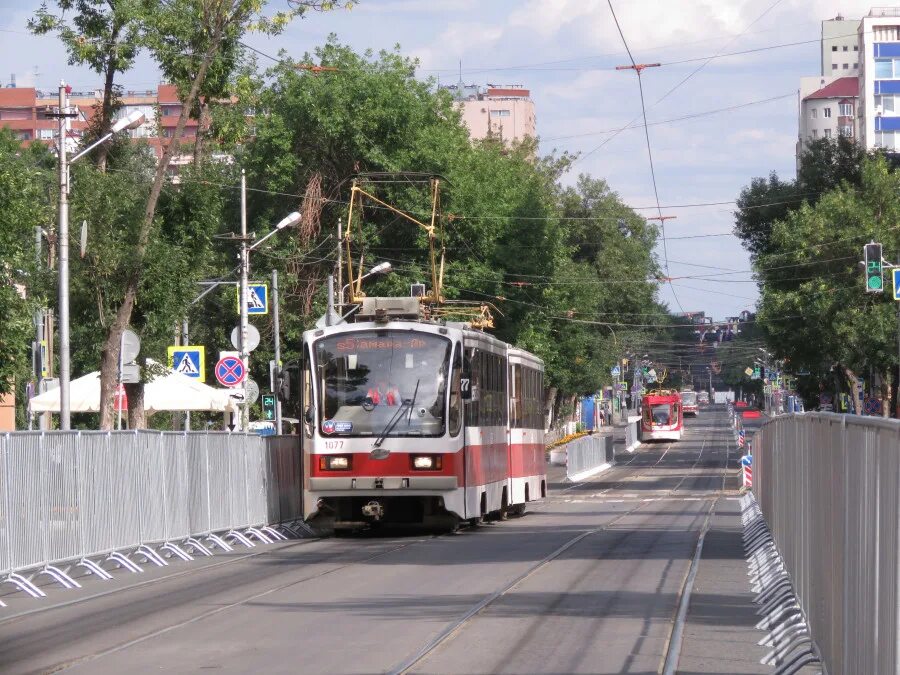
245, 264
277, 327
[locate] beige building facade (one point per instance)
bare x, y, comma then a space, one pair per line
505, 112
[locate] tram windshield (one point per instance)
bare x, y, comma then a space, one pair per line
661, 414
366, 378
689, 397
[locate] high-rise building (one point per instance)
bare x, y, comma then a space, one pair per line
879, 79
840, 47
504, 112
828, 103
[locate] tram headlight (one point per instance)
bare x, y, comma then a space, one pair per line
335, 462
426, 462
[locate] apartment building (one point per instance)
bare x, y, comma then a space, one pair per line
879, 78
504, 112
840, 47
28, 112
828, 103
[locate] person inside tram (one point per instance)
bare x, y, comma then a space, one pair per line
384, 393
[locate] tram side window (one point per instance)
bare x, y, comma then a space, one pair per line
488, 405
515, 395
473, 405
456, 393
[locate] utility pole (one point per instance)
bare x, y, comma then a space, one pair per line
340, 265
65, 420
245, 271
277, 326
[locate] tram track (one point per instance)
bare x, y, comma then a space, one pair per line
673, 638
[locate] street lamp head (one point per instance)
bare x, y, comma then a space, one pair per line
132, 120
381, 268
288, 220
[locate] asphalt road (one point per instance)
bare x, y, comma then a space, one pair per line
588, 581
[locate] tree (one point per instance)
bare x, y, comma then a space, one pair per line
103, 35
25, 179
814, 308
824, 165
191, 40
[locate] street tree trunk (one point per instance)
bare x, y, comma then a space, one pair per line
106, 108
109, 359
137, 417
550, 395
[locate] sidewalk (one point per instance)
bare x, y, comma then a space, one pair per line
720, 635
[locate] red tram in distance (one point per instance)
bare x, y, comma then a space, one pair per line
662, 416
416, 421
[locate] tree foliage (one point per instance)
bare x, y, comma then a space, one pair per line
813, 306
568, 268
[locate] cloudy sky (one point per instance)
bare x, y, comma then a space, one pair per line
565, 52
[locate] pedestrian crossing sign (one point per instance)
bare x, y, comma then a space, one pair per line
188, 360
257, 299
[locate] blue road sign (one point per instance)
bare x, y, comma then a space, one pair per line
189, 361
230, 371
257, 299
896, 274
615, 371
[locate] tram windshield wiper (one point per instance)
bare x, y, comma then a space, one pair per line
389, 427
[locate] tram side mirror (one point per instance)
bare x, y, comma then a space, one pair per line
308, 416
465, 384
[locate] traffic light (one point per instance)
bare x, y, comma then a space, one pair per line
874, 268
268, 406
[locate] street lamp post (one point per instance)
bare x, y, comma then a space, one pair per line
134, 119
291, 219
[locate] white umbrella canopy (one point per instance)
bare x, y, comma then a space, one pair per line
170, 392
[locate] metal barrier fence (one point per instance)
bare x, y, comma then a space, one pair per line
829, 487
588, 455
85, 499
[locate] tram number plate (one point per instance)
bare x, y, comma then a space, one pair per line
334, 445
465, 388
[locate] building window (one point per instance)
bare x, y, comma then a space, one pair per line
856, 48
814, 113
885, 139
499, 113
815, 133
834, 66
828, 133
834, 48
846, 66
46, 134
845, 109
855, 66
886, 103
846, 48
884, 68
827, 112
846, 131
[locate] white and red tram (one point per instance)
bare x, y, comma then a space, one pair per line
414, 421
